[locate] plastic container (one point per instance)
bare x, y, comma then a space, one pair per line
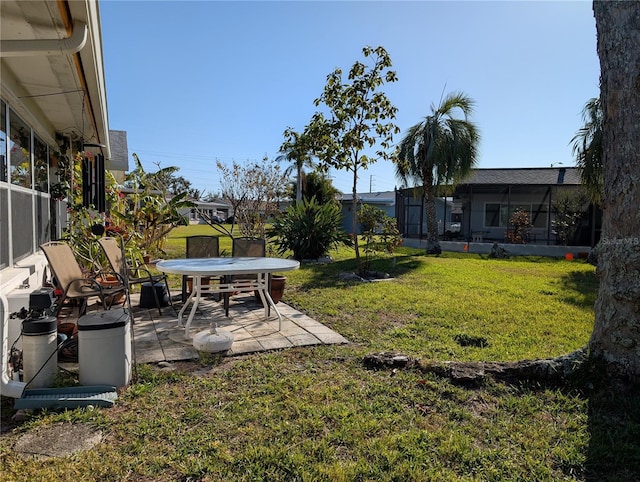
39, 344
104, 348
147, 300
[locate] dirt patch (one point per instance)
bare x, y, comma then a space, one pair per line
218, 365
58, 440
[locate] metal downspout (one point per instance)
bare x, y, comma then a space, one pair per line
65, 46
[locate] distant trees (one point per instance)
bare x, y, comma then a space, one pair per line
296, 149
253, 190
438, 151
319, 186
168, 180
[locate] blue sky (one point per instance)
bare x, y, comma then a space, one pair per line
200, 81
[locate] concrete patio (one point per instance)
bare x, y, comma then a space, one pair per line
159, 338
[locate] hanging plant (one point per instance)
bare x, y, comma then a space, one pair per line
59, 190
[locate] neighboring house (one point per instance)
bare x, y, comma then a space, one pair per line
215, 210
52, 102
484, 201
384, 201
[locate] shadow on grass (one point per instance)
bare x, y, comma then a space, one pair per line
612, 453
328, 275
584, 285
614, 430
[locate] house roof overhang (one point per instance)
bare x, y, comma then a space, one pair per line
386, 198
517, 180
52, 68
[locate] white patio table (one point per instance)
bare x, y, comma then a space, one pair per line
226, 268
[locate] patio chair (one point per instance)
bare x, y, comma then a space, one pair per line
133, 274
72, 282
202, 246
245, 247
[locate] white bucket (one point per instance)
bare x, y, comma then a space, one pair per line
104, 348
39, 344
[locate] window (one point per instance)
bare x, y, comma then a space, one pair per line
3, 142
19, 151
25, 215
496, 215
40, 165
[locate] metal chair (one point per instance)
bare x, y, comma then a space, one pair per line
132, 274
245, 247
74, 284
202, 246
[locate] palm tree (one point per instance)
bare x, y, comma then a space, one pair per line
437, 151
587, 147
296, 149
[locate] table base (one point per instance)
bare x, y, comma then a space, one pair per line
260, 284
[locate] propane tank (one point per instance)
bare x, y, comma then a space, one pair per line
39, 344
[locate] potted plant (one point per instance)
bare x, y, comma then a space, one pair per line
276, 288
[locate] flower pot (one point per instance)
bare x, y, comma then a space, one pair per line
277, 288
110, 281
203, 282
68, 329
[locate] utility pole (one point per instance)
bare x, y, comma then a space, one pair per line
370, 183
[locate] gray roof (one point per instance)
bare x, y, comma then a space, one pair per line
531, 175
386, 197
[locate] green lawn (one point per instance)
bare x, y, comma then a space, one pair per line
317, 414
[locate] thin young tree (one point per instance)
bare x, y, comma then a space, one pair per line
359, 119
439, 151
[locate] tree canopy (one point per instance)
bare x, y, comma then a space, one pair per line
587, 147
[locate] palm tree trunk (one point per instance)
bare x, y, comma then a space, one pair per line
616, 334
433, 243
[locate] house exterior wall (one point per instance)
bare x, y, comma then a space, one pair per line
347, 210
25, 205
490, 214
32, 128
385, 201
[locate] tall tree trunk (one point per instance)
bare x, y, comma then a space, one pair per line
433, 243
616, 334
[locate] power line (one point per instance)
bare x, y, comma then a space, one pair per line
197, 168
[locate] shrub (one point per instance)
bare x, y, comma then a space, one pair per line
308, 229
379, 230
520, 221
